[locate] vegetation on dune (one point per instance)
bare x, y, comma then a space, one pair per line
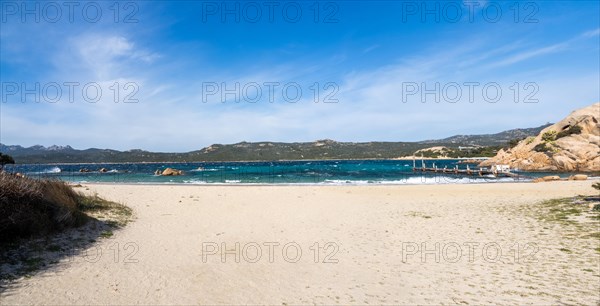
44, 221
31, 207
575, 218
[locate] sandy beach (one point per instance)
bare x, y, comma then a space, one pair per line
442, 244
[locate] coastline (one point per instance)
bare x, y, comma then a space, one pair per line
367, 227
258, 161
322, 184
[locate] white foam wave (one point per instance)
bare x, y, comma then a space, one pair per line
196, 182
47, 171
439, 180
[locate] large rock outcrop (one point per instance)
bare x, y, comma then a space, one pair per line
573, 144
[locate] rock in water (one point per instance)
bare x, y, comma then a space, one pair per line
573, 144
170, 171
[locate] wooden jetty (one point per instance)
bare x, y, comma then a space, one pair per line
497, 171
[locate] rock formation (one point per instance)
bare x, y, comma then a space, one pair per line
170, 171
573, 144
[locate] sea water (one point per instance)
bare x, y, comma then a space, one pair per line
322, 172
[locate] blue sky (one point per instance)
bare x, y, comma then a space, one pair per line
375, 58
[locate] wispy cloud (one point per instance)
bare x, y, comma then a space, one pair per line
528, 54
537, 52
171, 116
591, 33
107, 56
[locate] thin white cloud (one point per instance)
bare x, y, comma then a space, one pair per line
519, 57
171, 117
371, 48
591, 33
555, 48
107, 56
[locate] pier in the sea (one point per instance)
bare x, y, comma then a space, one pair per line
496, 170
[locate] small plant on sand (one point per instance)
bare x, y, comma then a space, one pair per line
106, 234
566, 250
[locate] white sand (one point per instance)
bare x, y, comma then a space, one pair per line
373, 227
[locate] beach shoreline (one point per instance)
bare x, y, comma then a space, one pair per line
261, 161
354, 243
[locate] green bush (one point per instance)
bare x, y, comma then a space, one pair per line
529, 140
542, 147
549, 136
514, 142
576, 129
5, 160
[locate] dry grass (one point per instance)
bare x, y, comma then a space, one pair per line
44, 221
31, 207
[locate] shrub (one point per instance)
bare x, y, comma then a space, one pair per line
542, 147
576, 129
514, 142
5, 159
529, 140
30, 207
549, 136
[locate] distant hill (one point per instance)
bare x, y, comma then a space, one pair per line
497, 139
255, 151
66, 154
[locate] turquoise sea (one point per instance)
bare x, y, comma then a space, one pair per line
329, 172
